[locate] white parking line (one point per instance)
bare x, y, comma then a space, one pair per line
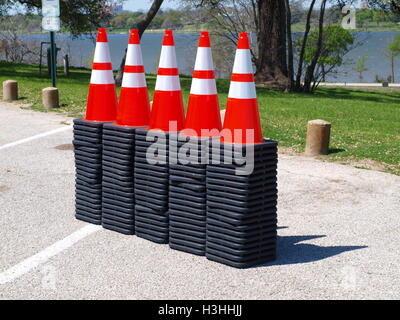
41, 257
40, 135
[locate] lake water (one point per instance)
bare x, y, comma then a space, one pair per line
373, 46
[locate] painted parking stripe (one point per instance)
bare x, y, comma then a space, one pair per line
43, 256
40, 135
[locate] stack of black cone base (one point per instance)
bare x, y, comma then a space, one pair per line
151, 186
88, 161
187, 197
241, 209
118, 201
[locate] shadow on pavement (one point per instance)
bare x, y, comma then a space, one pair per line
291, 251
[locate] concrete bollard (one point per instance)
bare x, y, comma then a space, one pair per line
10, 90
50, 98
318, 135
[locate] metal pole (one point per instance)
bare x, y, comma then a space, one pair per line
53, 60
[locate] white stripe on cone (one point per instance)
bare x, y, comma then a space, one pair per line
102, 53
102, 77
134, 55
203, 86
242, 62
242, 90
204, 60
134, 80
134, 58
168, 83
168, 57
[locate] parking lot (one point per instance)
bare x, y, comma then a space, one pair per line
338, 232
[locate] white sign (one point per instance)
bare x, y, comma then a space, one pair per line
51, 24
349, 19
50, 8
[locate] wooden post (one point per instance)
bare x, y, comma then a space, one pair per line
10, 90
318, 135
66, 65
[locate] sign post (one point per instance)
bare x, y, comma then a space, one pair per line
51, 22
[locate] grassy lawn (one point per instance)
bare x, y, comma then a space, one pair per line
365, 123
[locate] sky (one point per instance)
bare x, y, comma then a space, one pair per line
134, 5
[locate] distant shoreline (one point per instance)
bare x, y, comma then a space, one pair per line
160, 31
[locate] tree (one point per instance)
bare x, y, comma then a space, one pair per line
379, 16
77, 16
303, 47
361, 67
393, 51
267, 18
142, 25
172, 19
363, 16
309, 76
335, 43
386, 5
271, 61
125, 19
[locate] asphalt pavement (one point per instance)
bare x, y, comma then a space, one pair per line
338, 232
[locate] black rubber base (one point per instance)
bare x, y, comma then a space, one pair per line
88, 161
118, 198
118, 229
87, 219
151, 182
241, 208
187, 202
151, 224
187, 246
242, 264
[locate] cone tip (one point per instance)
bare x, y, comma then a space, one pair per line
204, 40
243, 42
102, 35
168, 38
134, 37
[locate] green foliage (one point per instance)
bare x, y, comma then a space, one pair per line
361, 64
364, 17
394, 47
125, 19
170, 19
24, 23
392, 6
77, 16
336, 42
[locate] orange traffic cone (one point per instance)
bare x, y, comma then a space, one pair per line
203, 108
167, 101
134, 105
102, 97
242, 117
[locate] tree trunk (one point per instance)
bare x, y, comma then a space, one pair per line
392, 62
303, 47
289, 44
309, 77
271, 42
141, 26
